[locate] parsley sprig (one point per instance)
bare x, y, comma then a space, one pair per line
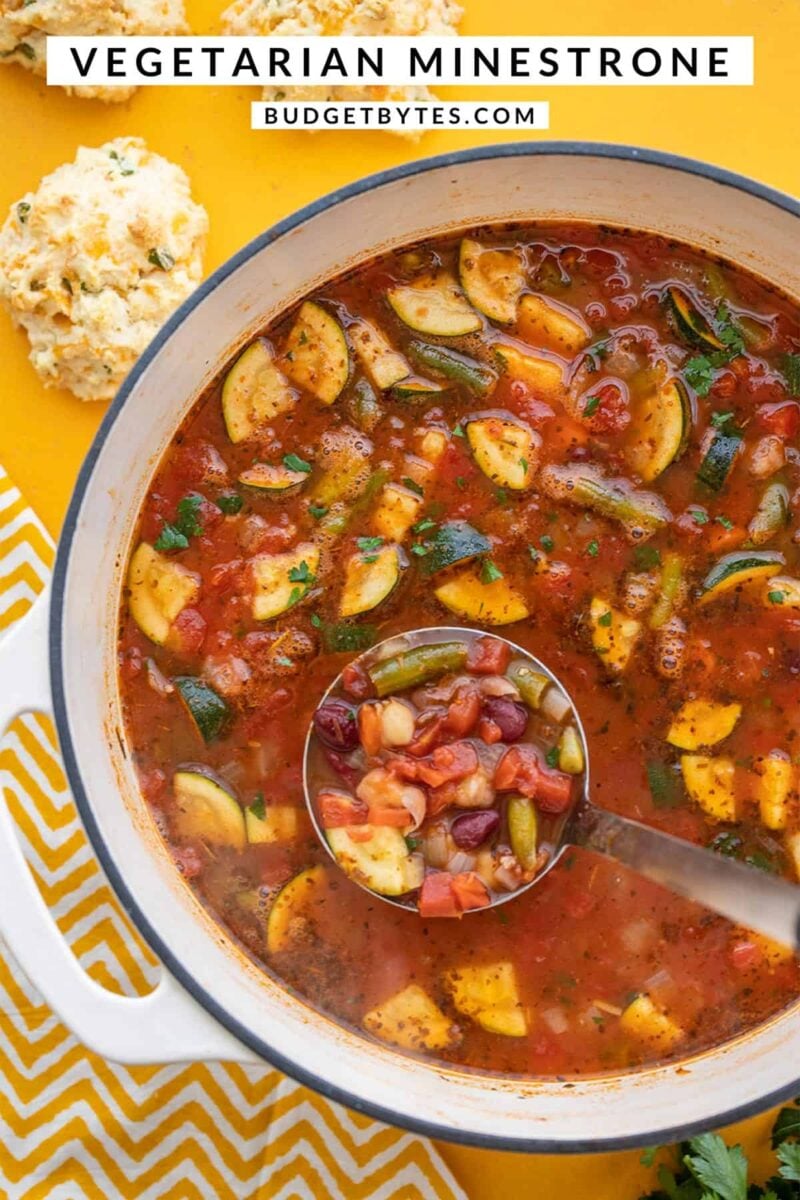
700, 370
175, 535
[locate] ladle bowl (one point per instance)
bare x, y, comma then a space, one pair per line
745, 895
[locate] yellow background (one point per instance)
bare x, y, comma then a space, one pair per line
247, 180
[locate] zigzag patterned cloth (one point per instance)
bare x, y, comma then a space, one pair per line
74, 1127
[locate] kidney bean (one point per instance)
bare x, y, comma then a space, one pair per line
510, 716
473, 829
336, 726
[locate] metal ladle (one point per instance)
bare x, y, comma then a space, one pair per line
743, 894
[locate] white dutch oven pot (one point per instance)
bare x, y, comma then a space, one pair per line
212, 1002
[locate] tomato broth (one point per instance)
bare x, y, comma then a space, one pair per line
584, 439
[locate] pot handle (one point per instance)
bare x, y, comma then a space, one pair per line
163, 1027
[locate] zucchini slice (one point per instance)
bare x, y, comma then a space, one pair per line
206, 810
363, 406
397, 511
435, 305
254, 393
279, 823
344, 456
492, 279
454, 542
643, 1021
718, 460
415, 388
459, 368
495, 603
489, 995
782, 589
736, 571
641, 514
702, 723
412, 667
660, 430
689, 322
570, 752
160, 589
505, 449
544, 376
316, 356
368, 583
208, 710
772, 514
278, 479
290, 909
709, 782
523, 830
282, 580
411, 1019
543, 323
384, 365
775, 780
380, 861
614, 634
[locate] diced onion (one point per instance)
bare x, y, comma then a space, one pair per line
438, 846
659, 980
555, 705
157, 680
555, 1019
498, 685
461, 861
397, 723
636, 935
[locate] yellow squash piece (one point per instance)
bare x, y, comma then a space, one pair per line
432, 443
281, 580
775, 784
659, 430
254, 393
544, 376
316, 356
614, 634
703, 723
206, 811
505, 450
489, 996
377, 856
160, 589
570, 751
435, 305
739, 570
291, 908
369, 578
710, 783
397, 510
495, 603
279, 823
543, 323
649, 1025
384, 365
492, 279
412, 1020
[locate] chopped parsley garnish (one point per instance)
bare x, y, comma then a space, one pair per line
294, 595
534, 553
458, 430
283, 660
645, 557
604, 620
317, 510
724, 521
125, 166
699, 373
523, 462
722, 420
230, 503
699, 370
663, 784
552, 757
296, 464
501, 496
490, 572
23, 211
175, 536
420, 549
423, 525
546, 542
258, 808
369, 547
316, 620
699, 516
412, 485
461, 482
728, 332
790, 369
776, 597
412, 843
301, 574
593, 549
591, 406
160, 257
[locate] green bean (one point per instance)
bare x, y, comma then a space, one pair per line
416, 666
458, 367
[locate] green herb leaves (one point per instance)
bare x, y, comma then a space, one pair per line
160, 257
369, 547
490, 572
699, 371
175, 536
721, 1169
296, 464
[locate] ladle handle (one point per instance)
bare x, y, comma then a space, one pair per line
743, 894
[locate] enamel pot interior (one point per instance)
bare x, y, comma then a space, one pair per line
617, 185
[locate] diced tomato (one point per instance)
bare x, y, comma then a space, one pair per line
436, 896
260, 721
189, 860
337, 809
208, 515
131, 662
448, 764
525, 404
356, 682
441, 798
153, 784
488, 656
385, 814
463, 712
724, 386
782, 419
608, 409
554, 791
199, 462
489, 731
454, 464
470, 891
720, 539
427, 737
188, 632
744, 955
227, 577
